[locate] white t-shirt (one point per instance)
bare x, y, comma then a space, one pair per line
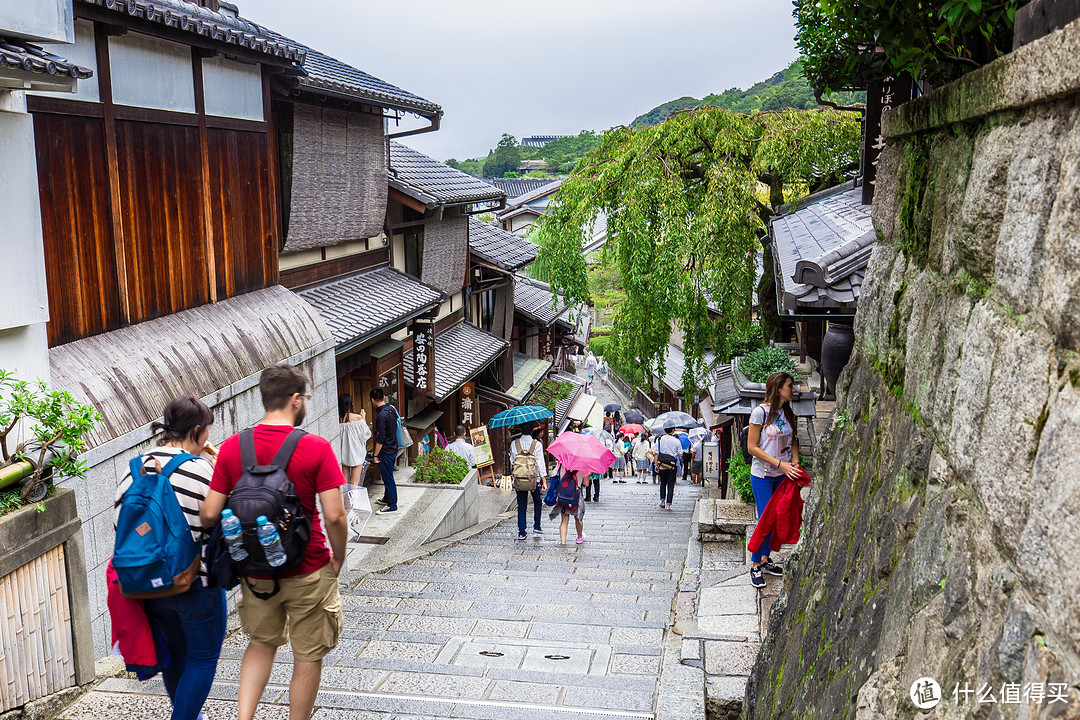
775, 440
463, 449
538, 453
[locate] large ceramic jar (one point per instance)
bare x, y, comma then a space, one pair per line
835, 352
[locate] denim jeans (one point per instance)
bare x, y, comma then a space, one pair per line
523, 505
667, 485
763, 490
193, 624
386, 470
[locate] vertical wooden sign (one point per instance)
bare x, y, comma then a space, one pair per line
423, 335
547, 344
469, 410
881, 97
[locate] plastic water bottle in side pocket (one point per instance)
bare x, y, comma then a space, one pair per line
271, 542
233, 532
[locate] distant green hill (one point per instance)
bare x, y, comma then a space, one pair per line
786, 89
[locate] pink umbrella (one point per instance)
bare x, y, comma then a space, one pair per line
581, 452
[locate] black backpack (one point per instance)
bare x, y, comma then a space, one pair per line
267, 490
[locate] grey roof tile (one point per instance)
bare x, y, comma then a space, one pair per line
499, 247
436, 183
325, 73
461, 352
361, 306
676, 363
30, 58
518, 186
532, 299
198, 20
822, 250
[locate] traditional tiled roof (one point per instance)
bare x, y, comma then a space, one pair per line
32, 59
676, 363
198, 20
532, 299
539, 140
822, 250
461, 352
436, 183
518, 186
535, 193
499, 247
361, 306
323, 72
723, 386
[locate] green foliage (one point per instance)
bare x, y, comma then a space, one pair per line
683, 217
758, 365
745, 340
560, 156
441, 467
505, 158
474, 166
786, 90
847, 44
739, 474
58, 424
549, 392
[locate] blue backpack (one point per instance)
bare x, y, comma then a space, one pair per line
566, 493
154, 554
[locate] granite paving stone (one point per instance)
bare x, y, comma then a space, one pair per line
490, 627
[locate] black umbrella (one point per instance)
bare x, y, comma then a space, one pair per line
633, 416
612, 407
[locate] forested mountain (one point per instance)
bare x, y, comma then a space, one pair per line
786, 89
558, 157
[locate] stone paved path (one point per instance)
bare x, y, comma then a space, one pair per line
492, 627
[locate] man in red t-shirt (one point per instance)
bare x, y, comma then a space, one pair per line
307, 608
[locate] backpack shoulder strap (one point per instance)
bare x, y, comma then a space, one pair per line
178, 460
532, 447
247, 449
284, 453
517, 445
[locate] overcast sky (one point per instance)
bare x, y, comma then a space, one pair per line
541, 68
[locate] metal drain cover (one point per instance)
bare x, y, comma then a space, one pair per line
531, 655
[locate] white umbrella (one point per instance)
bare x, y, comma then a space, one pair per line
698, 433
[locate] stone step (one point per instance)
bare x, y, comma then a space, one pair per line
724, 520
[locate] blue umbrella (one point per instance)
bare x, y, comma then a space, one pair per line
518, 415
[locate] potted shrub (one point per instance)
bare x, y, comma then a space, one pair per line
751, 370
441, 467
42, 557
58, 426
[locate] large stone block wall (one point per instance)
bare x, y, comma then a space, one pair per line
941, 535
236, 407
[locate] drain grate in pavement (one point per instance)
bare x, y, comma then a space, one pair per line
370, 539
551, 656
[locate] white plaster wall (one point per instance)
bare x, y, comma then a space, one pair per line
41, 20
24, 302
232, 89
235, 408
25, 351
83, 53
152, 73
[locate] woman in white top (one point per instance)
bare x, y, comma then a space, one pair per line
641, 458
355, 433
774, 443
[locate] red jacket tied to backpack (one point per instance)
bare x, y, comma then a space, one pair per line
782, 516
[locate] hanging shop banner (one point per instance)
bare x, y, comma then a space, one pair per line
547, 345
881, 97
710, 460
482, 446
468, 404
423, 335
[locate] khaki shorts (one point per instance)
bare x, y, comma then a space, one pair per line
307, 608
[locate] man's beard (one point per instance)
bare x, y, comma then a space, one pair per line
300, 415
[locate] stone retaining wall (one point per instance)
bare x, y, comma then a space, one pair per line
941, 532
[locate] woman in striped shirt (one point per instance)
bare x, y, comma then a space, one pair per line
193, 622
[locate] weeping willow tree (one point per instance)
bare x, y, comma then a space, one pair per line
686, 203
